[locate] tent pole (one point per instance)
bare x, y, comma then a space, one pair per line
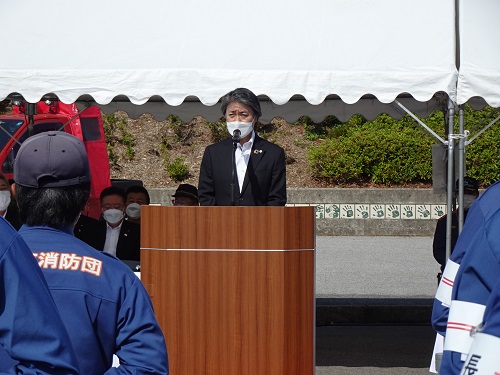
461, 169
450, 178
432, 132
483, 130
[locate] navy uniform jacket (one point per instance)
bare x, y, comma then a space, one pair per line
481, 211
265, 179
490, 327
31, 330
479, 270
103, 304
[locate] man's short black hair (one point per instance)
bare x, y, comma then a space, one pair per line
113, 190
138, 189
244, 96
53, 207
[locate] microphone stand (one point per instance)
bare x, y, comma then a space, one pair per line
236, 139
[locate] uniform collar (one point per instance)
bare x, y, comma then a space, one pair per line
66, 230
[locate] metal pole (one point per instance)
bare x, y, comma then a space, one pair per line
31, 110
461, 168
483, 130
432, 132
450, 184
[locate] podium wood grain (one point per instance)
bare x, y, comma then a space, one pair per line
232, 287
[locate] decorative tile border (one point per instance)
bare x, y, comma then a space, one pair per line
347, 211
437, 210
391, 211
377, 211
332, 211
423, 211
362, 211
320, 211
408, 211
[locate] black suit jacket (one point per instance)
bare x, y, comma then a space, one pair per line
84, 226
12, 216
129, 241
439, 241
265, 179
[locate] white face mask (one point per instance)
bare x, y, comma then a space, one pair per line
113, 216
133, 210
244, 127
4, 199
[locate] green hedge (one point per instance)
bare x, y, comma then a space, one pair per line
395, 152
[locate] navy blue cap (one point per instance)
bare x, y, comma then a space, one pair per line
186, 190
470, 185
52, 159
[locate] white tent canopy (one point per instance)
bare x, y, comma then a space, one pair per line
168, 57
369, 106
479, 53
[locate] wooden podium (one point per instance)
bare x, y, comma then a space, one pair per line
232, 287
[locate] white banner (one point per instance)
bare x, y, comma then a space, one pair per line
445, 287
464, 316
483, 358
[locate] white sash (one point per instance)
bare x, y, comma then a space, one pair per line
463, 317
437, 352
445, 287
484, 357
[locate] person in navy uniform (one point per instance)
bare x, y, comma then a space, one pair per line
483, 357
33, 338
103, 304
475, 265
258, 175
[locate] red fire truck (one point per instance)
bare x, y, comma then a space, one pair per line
29, 119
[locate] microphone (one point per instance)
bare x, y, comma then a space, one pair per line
234, 178
236, 135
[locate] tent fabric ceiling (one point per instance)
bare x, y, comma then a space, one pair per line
279, 49
370, 107
479, 53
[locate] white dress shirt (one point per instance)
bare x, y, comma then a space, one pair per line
112, 235
242, 156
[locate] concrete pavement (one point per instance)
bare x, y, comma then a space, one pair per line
373, 304
374, 280
375, 267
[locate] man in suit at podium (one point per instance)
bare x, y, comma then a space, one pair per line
244, 169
